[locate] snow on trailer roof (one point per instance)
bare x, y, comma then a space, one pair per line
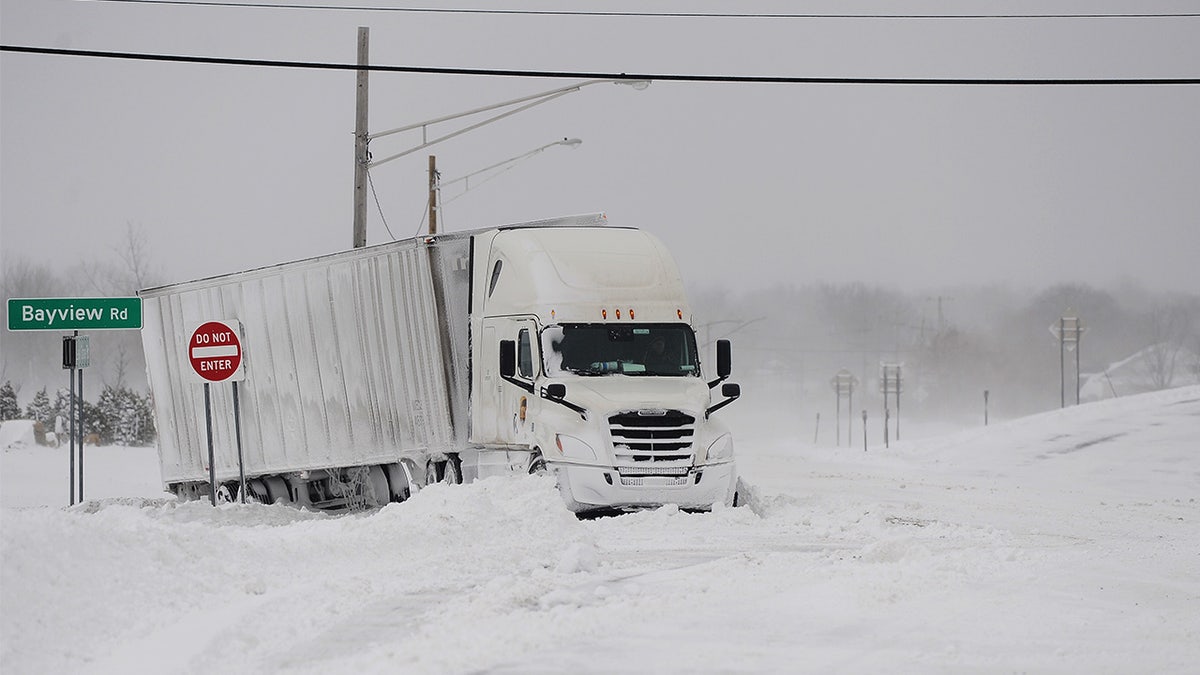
582, 220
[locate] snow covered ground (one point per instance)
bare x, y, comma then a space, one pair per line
1064, 542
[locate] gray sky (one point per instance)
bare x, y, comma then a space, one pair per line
233, 167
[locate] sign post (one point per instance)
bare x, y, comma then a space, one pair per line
215, 354
76, 356
843, 385
75, 314
891, 382
1068, 329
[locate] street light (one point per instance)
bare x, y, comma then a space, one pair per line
529, 101
435, 191
362, 157
466, 180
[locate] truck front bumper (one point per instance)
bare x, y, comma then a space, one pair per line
589, 488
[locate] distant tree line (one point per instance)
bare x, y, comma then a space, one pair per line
120, 416
954, 342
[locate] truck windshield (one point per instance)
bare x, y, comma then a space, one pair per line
602, 349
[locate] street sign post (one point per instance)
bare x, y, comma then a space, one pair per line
891, 382
214, 352
1067, 330
74, 313
843, 385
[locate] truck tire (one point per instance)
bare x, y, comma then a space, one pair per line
399, 480
452, 471
433, 472
537, 466
449, 471
277, 490
380, 492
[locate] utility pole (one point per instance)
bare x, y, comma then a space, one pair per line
433, 194
360, 141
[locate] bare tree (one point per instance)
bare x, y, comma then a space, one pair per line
1167, 327
134, 252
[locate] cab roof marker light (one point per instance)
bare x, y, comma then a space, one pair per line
618, 314
631, 313
551, 315
679, 313
604, 314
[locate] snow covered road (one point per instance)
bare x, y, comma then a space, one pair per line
1063, 542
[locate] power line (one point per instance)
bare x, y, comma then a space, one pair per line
552, 74
651, 15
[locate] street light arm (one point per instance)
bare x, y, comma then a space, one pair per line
531, 101
514, 111
510, 160
485, 108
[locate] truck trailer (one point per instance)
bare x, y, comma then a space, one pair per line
563, 346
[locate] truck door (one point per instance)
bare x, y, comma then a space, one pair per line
509, 423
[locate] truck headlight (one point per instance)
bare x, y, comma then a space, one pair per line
721, 449
574, 448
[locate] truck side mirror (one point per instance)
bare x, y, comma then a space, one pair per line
557, 391
731, 392
724, 358
508, 358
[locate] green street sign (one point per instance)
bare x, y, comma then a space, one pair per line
74, 313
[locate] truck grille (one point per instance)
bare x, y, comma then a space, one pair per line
652, 435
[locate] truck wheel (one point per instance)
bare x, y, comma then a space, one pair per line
379, 486
224, 495
452, 471
433, 472
277, 490
537, 466
399, 480
256, 492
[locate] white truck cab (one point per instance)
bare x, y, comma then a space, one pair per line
585, 364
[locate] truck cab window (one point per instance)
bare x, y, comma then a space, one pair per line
524, 354
495, 277
661, 350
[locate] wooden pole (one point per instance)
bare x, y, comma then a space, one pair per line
433, 196
360, 142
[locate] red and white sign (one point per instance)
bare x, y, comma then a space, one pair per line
215, 351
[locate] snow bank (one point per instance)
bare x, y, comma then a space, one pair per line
144, 585
16, 434
1064, 542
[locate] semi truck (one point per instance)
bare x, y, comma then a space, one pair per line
563, 346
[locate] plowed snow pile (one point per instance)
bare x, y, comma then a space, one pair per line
1064, 542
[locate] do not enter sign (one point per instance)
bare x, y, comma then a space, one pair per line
215, 351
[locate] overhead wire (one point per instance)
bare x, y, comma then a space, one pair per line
652, 15
379, 207
551, 74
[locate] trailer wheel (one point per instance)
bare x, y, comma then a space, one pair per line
379, 486
277, 490
452, 471
433, 472
256, 492
224, 494
399, 480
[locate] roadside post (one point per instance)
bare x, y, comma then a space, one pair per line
985, 407
864, 430
843, 385
75, 314
1068, 330
891, 382
215, 353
